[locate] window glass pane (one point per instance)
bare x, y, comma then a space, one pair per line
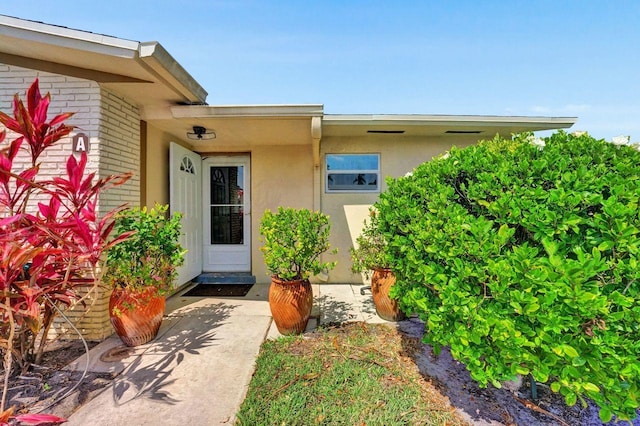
226, 185
352, 162
352, 181
187, 166
227, 224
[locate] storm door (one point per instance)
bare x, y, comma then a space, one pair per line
226, 214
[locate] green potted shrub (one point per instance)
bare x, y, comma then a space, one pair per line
294, 241
369, 257
141, 271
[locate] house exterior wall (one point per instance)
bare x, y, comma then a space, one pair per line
157, 160
347, 211
112, 124
280, 176
119, 149
68, 94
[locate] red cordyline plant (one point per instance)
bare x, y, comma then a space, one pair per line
51, 237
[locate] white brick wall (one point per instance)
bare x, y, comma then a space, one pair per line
68, 94
111, 122
119, 149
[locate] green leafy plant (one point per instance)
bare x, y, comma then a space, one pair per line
152, 253
294, 241
522, 256
370, 250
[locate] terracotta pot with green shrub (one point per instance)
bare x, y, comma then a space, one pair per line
141, 271
294, 241
369, 257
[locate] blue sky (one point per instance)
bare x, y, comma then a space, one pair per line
541, 58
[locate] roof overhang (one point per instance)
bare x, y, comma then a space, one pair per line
145, 72
243, 125
438, 125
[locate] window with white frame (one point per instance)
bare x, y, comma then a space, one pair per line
352, 173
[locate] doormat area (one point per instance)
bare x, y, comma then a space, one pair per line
219, 290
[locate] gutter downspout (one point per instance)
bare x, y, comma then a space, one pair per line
316, 136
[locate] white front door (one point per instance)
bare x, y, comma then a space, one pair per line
227, 214
185, 196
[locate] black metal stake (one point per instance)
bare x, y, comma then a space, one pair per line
534, 388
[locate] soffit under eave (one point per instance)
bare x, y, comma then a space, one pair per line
242, 125
485, 130
244, 132
147, 92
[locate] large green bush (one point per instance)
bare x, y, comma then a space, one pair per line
522, 257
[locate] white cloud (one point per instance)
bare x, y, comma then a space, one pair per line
540, 109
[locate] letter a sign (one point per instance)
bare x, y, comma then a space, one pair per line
81, 143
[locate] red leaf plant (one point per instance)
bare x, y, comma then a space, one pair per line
50, 249
30, 419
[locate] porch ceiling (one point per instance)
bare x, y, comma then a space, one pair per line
235, 133
239, 127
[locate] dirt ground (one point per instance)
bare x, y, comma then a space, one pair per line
491, 406
40, 389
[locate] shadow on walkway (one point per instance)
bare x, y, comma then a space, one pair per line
150, 374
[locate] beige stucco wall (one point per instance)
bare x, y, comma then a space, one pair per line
157, 171
398, 155
280, 176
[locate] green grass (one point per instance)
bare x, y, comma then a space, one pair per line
357, 374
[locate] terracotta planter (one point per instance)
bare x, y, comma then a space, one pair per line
290, 303
381, 282
139, 325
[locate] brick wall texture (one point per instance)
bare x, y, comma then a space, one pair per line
113, 126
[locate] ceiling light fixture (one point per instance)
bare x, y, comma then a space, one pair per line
201, 133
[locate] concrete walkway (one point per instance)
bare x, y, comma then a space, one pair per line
197, 370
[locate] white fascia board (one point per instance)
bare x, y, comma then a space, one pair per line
67, 37
206, 111
433, 119
163, 64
